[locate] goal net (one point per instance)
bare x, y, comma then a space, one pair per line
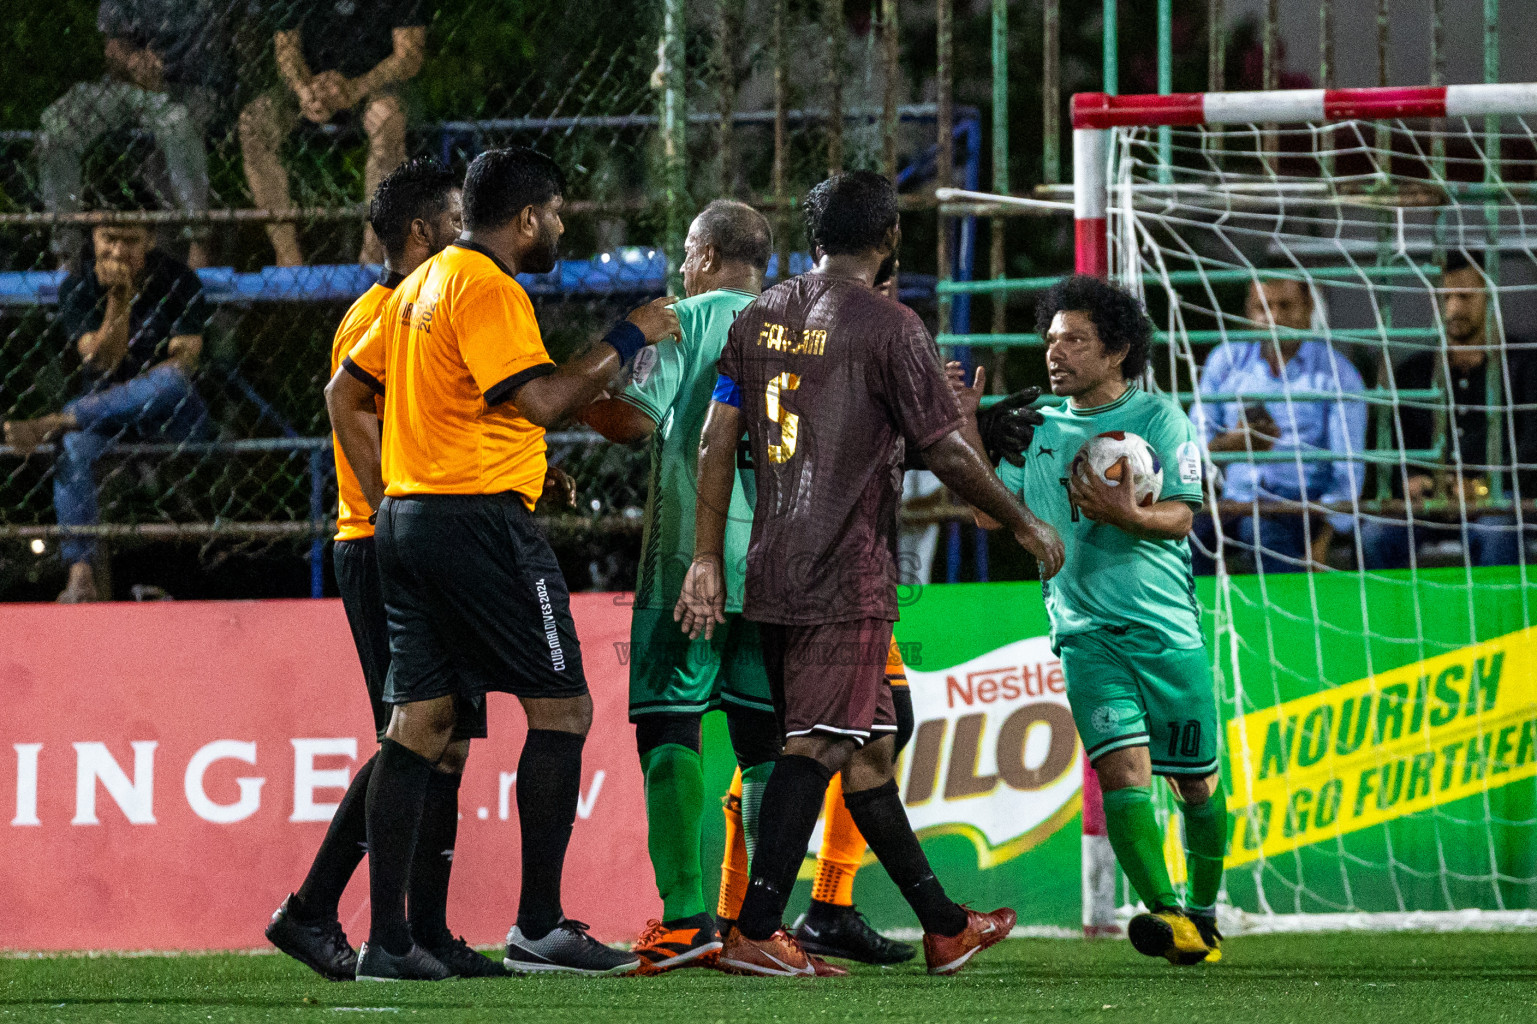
1345, 286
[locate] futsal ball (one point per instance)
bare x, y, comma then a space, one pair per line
1103, 451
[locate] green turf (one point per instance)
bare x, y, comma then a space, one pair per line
1352, 979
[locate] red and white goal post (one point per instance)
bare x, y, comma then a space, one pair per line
1310, 902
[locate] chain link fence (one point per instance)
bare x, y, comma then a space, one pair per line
245, 136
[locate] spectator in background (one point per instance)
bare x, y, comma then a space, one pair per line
168, 67
1281, 364
1461, 373
333, 55
136, 317
917, 542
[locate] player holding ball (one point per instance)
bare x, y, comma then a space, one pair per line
1124, 618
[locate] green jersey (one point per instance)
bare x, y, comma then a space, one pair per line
1110, 578
671, 382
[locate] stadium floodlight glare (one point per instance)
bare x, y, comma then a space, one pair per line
1357, 193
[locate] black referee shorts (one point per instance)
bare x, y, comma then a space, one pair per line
357, 578
476, 601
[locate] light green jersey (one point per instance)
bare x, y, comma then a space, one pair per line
672, 382
1110, 578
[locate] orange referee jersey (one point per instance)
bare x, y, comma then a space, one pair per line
351, 507
454, 342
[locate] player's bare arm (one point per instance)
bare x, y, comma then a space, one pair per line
964, 470
355, 420
1114, 505
703, 602
546, 401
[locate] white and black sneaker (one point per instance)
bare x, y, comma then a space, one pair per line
375, 963
566, 948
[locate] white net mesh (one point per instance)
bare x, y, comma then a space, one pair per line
1349, 311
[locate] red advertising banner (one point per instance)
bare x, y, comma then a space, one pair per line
171, 768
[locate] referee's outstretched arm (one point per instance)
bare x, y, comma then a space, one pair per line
547, 400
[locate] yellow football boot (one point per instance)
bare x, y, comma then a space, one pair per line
1168, 933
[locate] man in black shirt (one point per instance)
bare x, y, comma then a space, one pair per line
1469, 412
333, 55
136, 317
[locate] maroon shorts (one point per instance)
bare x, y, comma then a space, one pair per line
831, 678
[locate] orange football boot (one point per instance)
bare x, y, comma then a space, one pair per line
947, 954
778, 956
691, 943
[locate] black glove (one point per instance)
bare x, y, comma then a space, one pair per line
1008, 426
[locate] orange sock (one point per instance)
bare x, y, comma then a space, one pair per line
842, 850
733, 866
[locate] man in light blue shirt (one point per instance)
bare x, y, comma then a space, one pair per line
1281, 366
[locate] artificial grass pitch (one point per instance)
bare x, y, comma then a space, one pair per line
1484, 978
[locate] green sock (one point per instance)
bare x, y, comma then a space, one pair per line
1138, 844
1206, 829
754, 780
674, 819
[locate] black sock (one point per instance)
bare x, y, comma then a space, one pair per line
791, 802
340, 852
549, 781
428, 890
882, 821
396, 794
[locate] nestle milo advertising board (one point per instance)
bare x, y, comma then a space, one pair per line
1384, 732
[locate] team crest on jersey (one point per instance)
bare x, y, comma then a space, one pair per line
645, 362
1105, 718
1189, 458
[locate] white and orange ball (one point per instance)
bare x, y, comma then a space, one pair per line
1102, 452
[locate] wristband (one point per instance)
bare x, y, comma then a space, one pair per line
626, 339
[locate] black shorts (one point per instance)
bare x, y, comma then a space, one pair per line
357, 580
476, 601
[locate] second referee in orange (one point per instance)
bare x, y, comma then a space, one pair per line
475, 598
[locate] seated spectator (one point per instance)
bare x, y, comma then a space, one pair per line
135, 316
333, 55
917, 542
1276, 366
168, 66
1461, 373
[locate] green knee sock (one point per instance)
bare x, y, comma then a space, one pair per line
1138, 844
674, 818
1206, 830
754, 780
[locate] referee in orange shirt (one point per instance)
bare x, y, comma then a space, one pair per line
475, 598
415, 212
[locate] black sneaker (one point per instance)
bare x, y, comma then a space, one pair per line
463, 960
830, 930
321, 946
375, 963
1206, 924
567, 948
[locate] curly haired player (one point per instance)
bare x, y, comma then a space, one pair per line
1138, 676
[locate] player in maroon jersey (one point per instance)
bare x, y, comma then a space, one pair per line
837, 387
